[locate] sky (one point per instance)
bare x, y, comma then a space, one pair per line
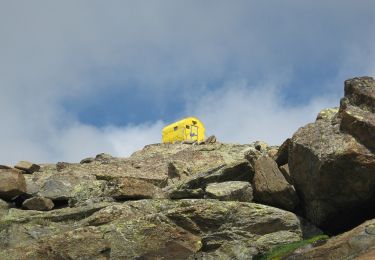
78, 78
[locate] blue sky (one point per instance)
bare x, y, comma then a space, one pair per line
82, 77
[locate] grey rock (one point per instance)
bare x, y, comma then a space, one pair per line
332, 162
230, 191
236, 171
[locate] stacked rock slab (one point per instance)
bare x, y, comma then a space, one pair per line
332, 161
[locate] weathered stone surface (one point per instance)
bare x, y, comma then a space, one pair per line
261, 146
230, 191
38, 203
358, 243
131, 188
270, 186
210, 140
12, 184
284, 169
26, 166
5, 167
148, 229
87, 160
360, 124
281, 157
360, 92
236, 171
4, 207
327, 113
331, 164
333, 172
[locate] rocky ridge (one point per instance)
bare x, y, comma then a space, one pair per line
204, 201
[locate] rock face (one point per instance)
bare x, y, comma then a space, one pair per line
270, 186
196, 185
12, 184
358, 243
149, 229
332, 163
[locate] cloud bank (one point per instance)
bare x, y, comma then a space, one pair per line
249, 70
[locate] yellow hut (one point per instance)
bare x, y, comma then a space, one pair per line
187, 129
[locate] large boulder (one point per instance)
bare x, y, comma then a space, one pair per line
332, 164
358, 243
271, 187
12, 184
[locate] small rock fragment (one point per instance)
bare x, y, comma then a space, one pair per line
38, 203
87, 160
27, 166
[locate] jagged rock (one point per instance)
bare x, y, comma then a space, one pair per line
237, 171
261, 146
357, 110
252, 154
103, 158
272, 152
28, 167
327, 113
62, 165
360, 92
331, 169
12, 183
87, 160
270, 186
281, 156
131, 188
360, 124
149, 229
284, 169
358, 243
38, 203
230, 191
210, 140
5, 167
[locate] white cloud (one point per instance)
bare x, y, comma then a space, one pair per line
238, 113
53, 52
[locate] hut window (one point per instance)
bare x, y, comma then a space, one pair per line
175, 128
194, 122
187, 127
